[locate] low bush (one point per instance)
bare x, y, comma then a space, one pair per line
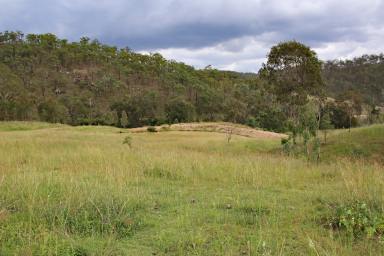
151, 129
128, 141
358, 219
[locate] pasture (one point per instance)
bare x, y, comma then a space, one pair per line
82, 191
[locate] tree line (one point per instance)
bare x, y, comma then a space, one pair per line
43, 77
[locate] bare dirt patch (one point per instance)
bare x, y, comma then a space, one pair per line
235, 129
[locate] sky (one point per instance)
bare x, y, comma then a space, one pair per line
227, 34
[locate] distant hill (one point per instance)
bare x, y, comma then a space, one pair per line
45, 78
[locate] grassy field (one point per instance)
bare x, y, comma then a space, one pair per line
365, 143
81, 191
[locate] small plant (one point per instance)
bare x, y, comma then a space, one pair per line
357, 219
160, 172
229, 134
128, 141
316, 149
287, 145
151, 129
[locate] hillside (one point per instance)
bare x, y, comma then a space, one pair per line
363, 75
45, 78
365, 143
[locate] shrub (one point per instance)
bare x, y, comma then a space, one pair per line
357, 219
252, 122
179, 110
287, 145
151, 129
156, 121
53, 112
128, 141
272, 119
341, 116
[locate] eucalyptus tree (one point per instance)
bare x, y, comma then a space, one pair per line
294, 74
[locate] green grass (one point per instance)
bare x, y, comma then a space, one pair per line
81, 191
365, 143
26, 126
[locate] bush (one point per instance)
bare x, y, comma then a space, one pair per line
252, 122
287, 145
128, 141
357, 219
272, 119
53, 112
156, 121
179, 110
151, 129
340, 116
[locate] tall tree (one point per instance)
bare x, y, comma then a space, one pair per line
294, 73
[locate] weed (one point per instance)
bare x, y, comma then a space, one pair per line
128, 141
358, 219
160, 172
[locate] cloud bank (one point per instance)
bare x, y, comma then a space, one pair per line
228, 34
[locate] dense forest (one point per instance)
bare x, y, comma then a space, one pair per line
46, 78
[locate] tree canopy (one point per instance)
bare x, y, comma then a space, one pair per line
294, 71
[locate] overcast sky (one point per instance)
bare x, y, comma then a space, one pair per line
227, 34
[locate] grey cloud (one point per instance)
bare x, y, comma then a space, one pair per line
224, 26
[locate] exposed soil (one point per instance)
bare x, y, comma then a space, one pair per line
229, 128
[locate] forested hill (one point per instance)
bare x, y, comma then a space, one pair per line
363, 75
46, 78
86, 82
